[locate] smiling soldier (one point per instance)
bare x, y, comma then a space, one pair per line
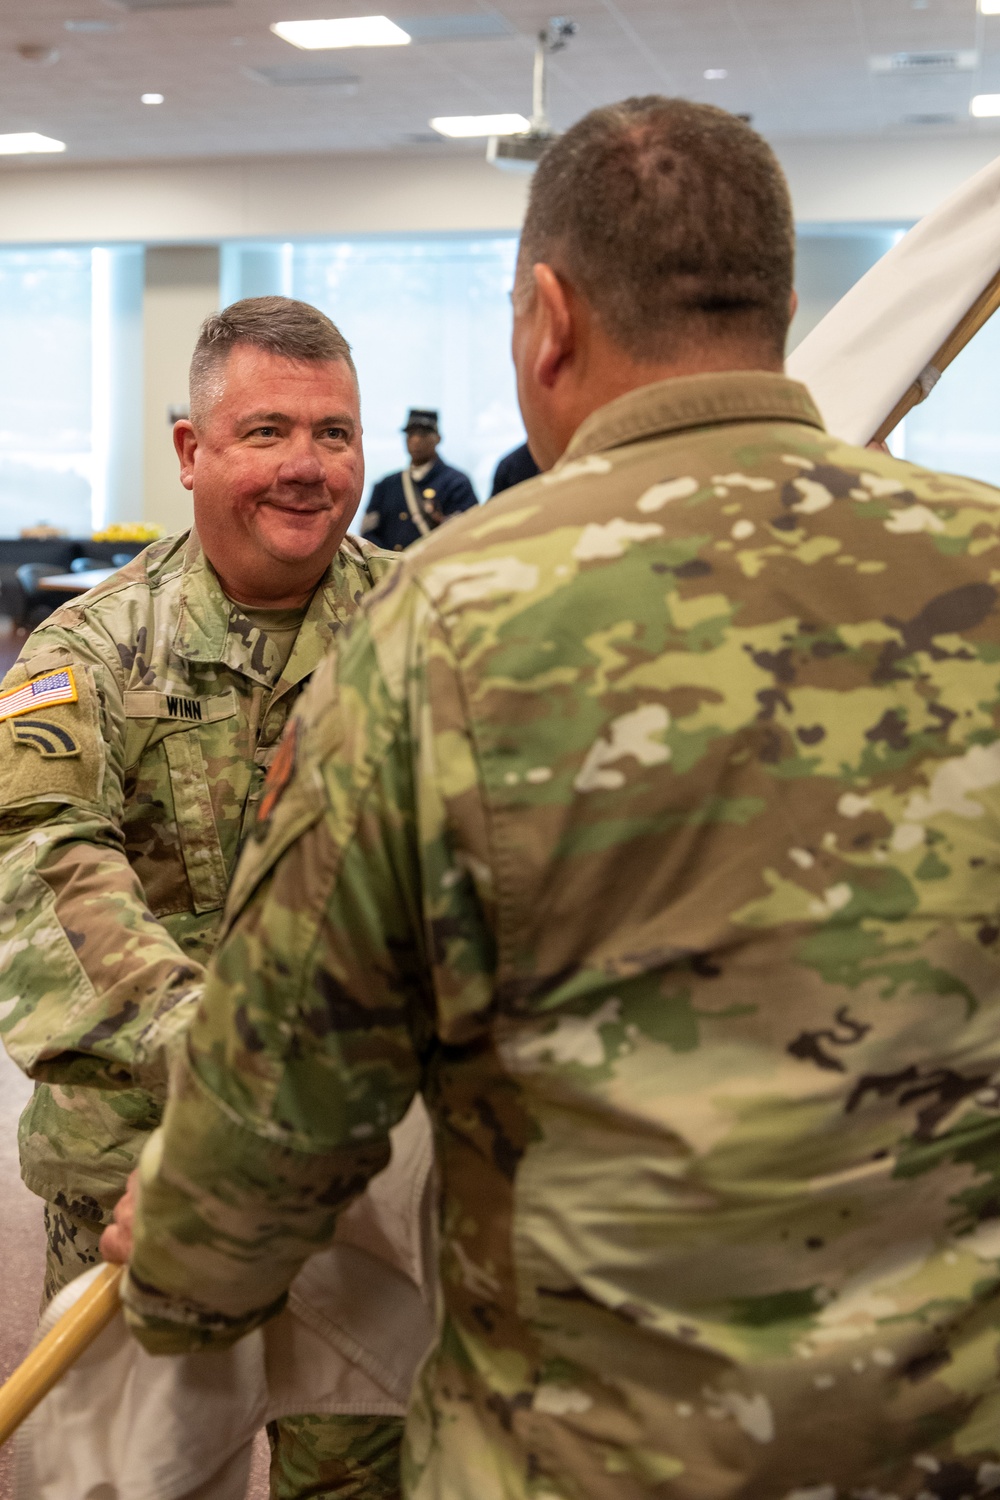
136, 730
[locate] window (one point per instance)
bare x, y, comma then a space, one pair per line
428, 321
957, 429
70, 387
45, 427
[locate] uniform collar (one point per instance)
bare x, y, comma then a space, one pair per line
202, 633
437, 464
691, 401
203, 614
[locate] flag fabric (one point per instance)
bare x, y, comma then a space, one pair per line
359, 1319
41, 692
879, 338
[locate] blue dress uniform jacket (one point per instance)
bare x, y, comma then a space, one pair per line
513, 468
387, 520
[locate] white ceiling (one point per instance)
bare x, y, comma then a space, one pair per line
799, 67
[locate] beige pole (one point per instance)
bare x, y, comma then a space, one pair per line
58, 1350
965, 329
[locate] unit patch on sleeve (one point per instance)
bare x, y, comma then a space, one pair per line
278, 777
40, 692
54, 744
50, 740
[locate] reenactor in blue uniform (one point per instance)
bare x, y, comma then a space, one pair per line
406, 506
514, 468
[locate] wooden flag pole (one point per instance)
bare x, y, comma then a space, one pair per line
58, 1350
965, 329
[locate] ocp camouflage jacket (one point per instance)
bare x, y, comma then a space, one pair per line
121, 817
648, 822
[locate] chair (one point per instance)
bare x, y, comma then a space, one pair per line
85, 564
38, 603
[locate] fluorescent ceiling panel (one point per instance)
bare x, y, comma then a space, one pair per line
28, 141
460, 127
349, 31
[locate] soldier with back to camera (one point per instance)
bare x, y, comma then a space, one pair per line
664, 864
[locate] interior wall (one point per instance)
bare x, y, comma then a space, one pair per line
832, 181
181, 289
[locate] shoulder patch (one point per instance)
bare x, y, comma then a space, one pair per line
278, 777
40, 692
55, 715
50, 740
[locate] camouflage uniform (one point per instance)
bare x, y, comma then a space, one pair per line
645, 822
121, 817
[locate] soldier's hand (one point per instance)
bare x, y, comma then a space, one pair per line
116, 1241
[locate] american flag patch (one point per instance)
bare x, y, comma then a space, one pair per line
41, 692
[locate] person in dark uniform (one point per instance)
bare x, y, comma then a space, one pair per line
513, 468
406, 506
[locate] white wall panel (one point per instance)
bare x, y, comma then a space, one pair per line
832, 181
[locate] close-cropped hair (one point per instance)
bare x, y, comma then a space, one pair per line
278, 325
673, 219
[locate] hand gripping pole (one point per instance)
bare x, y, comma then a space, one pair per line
48, 1362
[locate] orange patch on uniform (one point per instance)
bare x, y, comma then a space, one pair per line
278, 777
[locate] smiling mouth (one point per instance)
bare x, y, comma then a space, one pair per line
290, 508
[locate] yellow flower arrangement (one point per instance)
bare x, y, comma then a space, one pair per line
129, 531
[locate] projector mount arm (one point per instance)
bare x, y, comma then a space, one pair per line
553, 38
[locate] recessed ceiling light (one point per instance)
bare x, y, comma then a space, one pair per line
152, 98
350, 31
985, 106
459, 126
713, 73
989, 7
28, 140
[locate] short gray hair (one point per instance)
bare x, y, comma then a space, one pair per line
278, 325
674, 221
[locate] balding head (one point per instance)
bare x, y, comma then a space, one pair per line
673, 220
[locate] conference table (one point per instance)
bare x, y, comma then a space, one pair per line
74, 583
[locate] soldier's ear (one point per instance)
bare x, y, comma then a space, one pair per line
553, 309
185, 446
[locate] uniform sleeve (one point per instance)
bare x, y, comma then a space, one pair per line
461, 496
88, 974
345, 938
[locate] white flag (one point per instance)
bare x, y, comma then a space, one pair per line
881, 336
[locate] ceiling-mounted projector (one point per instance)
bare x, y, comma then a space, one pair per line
518, 153
521, 153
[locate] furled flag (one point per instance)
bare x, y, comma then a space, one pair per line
122, 1424
882, 348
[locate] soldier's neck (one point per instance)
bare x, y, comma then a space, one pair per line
269, 593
